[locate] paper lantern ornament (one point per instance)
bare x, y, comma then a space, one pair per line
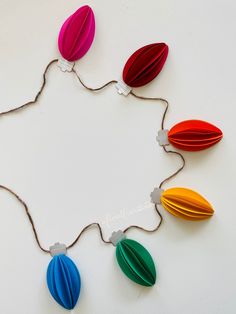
63, 279
183, 203
142, 67
77, 34
191, 135
134, 260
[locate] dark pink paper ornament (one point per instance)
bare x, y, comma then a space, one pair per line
143, 66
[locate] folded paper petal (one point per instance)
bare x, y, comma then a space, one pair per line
186, 204
63, 280
77, 34
194, 135
136, 262
145, 64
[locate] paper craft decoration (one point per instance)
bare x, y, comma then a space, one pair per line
77, 34
145, 64
63, 280
194, 135
136, 262
183, 203
191, 135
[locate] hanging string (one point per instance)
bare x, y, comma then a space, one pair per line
125, 230
28, 215
23, 203
90, 88
155, 99
29, 103
162, 127
94, 224
147, 230
84, 229
176, 172
132, 93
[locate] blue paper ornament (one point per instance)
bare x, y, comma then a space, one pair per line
63, 278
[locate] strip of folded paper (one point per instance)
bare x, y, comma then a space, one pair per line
136, 262
186, 203
77, 34
145, 64
194, 135
63, 280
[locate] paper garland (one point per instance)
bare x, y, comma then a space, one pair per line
63, 278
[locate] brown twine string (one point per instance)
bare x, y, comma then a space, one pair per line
155, 99
125, 230
132, 93
176, 172
90, 88
147, 230
29, 103
96, 224
28, 215
162, 127
33, 224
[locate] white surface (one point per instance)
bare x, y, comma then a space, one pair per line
76, 157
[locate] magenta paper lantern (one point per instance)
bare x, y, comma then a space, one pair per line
77, 34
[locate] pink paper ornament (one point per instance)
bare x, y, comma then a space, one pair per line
77, 34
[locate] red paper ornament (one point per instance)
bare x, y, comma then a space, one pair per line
145, 64
77, 34
194, 135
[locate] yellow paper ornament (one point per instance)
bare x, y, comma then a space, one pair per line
186, 204
183, 203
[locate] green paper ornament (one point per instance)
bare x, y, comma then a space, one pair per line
136, 262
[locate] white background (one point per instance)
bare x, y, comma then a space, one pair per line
77, 157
